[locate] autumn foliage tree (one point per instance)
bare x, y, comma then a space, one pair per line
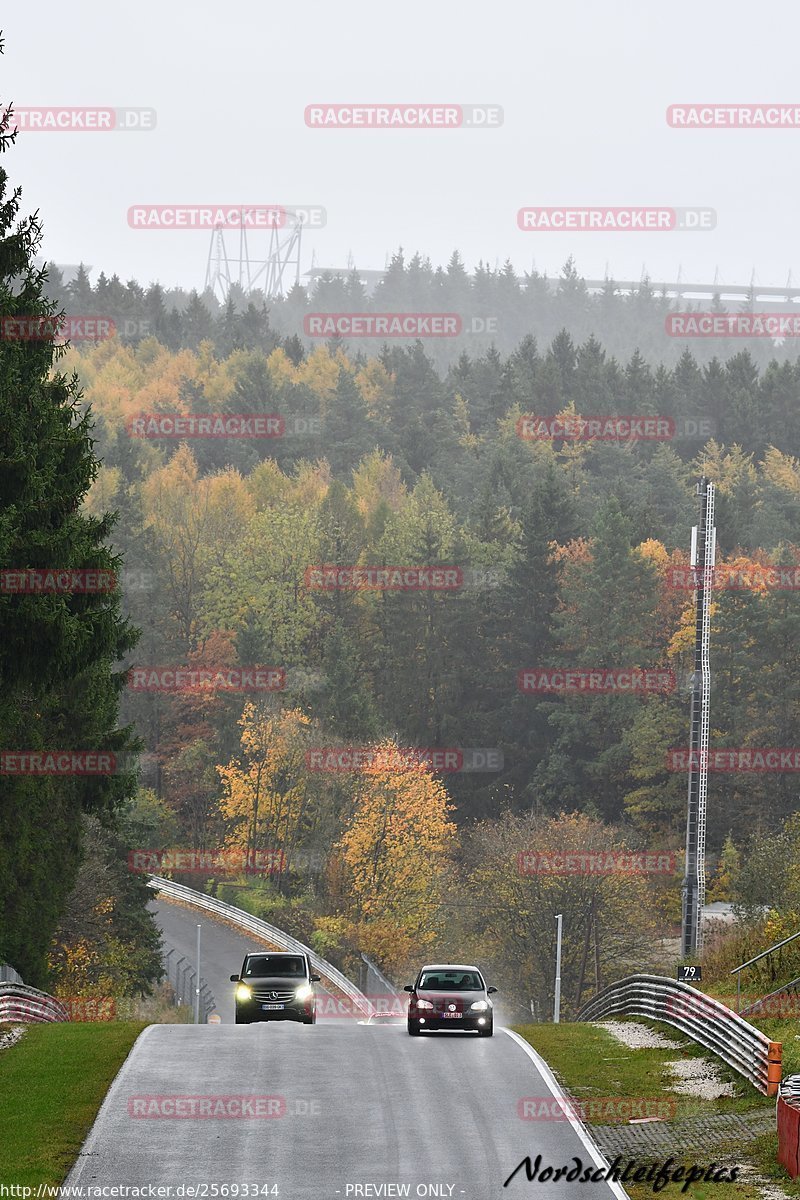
397, 848
271, 800
608, 918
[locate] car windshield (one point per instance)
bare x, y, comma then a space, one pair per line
451, 981
275, 964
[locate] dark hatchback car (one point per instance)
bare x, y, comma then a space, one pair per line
448, 996
275, 987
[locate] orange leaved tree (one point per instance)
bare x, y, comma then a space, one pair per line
397, 849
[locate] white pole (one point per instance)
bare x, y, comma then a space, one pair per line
557, 1003
197, 981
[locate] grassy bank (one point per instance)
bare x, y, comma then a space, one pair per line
52, 1082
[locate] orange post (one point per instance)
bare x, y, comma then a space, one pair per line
774, 1059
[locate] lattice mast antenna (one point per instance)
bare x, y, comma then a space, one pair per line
704, 541
268, 267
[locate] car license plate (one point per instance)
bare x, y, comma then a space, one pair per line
272, 1007
451, 1016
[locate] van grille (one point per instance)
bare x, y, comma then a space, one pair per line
272, 996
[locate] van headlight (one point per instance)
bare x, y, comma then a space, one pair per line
424, 1004
243, 992
304, 992
479, 1006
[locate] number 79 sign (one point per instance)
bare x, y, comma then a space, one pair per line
689, 975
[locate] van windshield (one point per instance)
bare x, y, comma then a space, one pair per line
275, 964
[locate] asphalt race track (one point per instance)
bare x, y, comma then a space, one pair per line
326, 1112
349, 1105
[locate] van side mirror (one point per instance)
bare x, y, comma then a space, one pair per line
234, 978
490, 991
315, 978
409, 987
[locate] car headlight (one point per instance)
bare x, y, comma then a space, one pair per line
243, 992
304, 992
424, 1004
479, 1006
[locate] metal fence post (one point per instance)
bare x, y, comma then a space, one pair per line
197, 981
557, 1002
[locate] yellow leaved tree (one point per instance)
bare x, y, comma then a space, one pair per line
397, 849
271, 799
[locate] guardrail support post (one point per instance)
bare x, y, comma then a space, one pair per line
557, 1000
774, 1062
197, 981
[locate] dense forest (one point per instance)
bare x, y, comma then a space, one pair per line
567, 554
570, 554
494, 308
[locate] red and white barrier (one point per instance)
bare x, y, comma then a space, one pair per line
18, 1002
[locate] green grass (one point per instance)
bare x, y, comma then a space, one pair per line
52, 1082
589, 1062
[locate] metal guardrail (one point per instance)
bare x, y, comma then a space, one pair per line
766, 1004
707, 1021
379, 975
243, 920
737, 971
18, 1002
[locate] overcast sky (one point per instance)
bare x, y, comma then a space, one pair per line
584, 89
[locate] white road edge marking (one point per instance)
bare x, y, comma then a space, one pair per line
580, 1129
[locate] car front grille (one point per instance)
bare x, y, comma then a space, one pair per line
272, 996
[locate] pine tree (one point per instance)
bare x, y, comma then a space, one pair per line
608, 621
58, 689
349, 432
198, 324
